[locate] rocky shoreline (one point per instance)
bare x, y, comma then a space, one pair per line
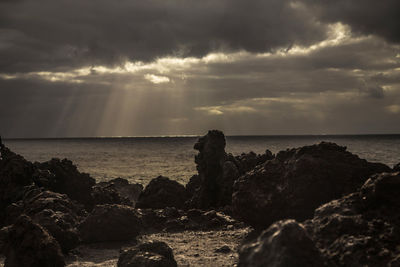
317, 205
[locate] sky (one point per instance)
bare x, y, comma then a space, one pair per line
81, 68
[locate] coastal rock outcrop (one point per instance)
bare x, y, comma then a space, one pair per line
171, 219
285, 243
110, 223
363, 228
297, 181
248, 161
396, 168
55, 212
148, 254
28, 244
15, 174
216, 173
162, 192
62, 176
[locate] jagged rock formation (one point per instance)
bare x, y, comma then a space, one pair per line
171, 219
53, 211
363, 228
396, 168
285, 243
110, 223
149, 254
62, 176
297, 181
162, 192
28, 244
213, 185
116, 191
15, 174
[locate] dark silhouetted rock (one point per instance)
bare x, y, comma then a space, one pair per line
55, 212
62, 176
126, 189
28, 244
362, 228
15, 174
396, 167
110, 223
285, 243
297, 181
116, 191
216, 173
162, 192
248, 161
171, 219
193, 185
149, 254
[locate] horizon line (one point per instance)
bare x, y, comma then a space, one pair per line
193, 135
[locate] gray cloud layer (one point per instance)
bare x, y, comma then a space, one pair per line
278, 67
45, 34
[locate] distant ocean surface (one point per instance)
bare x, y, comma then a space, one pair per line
139, 159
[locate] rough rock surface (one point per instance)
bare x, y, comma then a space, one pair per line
216, 173
396, 167
28, 244
363, 228
297, 181
285, 243
15, 174
55, 212
149, 254
173, 220
162, 192
248, 161
125, 189
110, 223
62, 176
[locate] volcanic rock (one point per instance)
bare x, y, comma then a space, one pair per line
15, 174
149, 254
62, 176
171, 219
55, 212
110, 223
248, 161
216, 172
363, 228
28, 244
297, 181
396, 167
162, 192
285, 243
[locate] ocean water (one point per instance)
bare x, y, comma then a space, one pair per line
139, 159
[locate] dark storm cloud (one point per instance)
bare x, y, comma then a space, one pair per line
47, 34
364, 16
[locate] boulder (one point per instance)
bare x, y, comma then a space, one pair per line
149, 254
297, 181
28, 244
62, 176
171, 219
162, 192
248, 161
126, 189
15, 174
285, 243
362, 228
216, 172
396, 168
55, 212
110, 223
116, 191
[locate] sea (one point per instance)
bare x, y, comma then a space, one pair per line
140, 159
